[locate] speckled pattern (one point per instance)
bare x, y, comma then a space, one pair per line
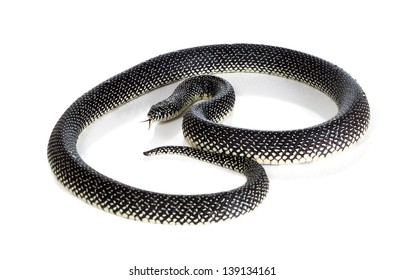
273, 147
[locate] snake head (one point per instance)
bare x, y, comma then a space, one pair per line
163, 111
156, 113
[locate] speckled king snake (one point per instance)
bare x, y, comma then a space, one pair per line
239, 149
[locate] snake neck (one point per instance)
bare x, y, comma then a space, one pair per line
212, 88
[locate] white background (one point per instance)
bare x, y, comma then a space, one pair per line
339, 218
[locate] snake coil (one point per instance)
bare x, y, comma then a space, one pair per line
239, 149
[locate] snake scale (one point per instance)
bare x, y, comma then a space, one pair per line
239, 149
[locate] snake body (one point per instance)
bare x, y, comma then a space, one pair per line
234, 148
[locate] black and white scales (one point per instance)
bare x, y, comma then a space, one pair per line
239, 149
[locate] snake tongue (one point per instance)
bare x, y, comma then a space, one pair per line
148, 120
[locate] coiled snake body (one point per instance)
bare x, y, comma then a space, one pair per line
239, 149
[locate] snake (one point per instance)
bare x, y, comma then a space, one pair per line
239, 149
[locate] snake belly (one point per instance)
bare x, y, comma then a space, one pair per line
234, 148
